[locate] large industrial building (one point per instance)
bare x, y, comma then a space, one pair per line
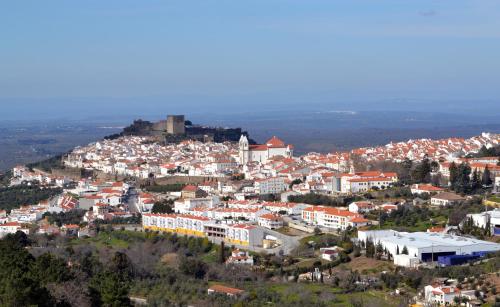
426, 246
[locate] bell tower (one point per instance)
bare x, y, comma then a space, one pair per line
244, 150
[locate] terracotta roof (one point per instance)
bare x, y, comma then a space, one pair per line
190, 188
270, 216
226, 290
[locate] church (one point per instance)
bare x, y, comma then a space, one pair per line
262, 152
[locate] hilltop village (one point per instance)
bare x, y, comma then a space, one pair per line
417, 220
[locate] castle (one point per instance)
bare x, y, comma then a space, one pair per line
262, 152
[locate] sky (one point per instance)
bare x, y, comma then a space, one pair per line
93, 56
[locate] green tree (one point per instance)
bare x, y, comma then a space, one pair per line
486, 177
222, 256
19, 285
49, 269
110, 290
405, 250
476, 181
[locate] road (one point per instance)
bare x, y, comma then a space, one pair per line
131, 200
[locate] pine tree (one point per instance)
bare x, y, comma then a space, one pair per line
405, 250
476, 180
453, 175
486, 177
222, 256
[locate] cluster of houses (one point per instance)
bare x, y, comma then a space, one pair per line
21, 173
142, 157
100, 200
437, 150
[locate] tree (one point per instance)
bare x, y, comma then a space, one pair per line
453, 169
193, 267
422, 171
476, 181
397, 250
109, 289
19, 283
49, 269
317, 230
370, 249
405, 250
222, 256
163, 206
486, 177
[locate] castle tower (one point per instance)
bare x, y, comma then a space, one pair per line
244, 150
176, 124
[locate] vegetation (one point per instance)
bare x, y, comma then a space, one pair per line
16, 196
417, 218
461, 180
487, 152
48, 164
5, 178
319, 199
174, 187
63, 218
163, 206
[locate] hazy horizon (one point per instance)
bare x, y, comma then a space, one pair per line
122, 59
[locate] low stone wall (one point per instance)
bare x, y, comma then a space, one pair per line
303, 228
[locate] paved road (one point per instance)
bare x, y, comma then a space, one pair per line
131, 200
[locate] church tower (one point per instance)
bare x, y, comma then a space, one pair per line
244, 152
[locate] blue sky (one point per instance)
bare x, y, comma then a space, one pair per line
235, 53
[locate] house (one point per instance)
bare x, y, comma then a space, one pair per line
270, 220
361, 206
12, 227
70, 230
446, 198
192, 191
244, 234
240, 257
388, 207
284, 207
220, 289
330, 253
425, 189
441, 294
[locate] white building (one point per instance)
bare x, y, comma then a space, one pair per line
426, 245
441, 295
332, 217
406, 261
496, 185
361, 206
358, 182
262, 152
272, 185
187, 205
271, 221
425, 189
240, 257
446, 198
482, 219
